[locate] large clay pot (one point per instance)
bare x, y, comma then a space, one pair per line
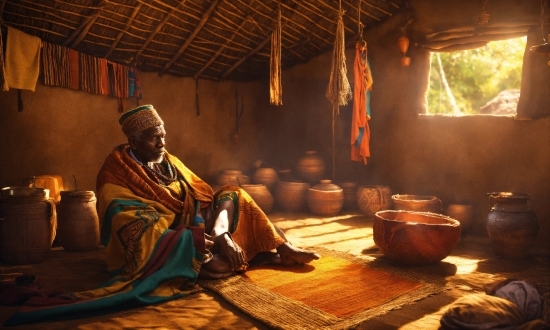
261, 195
417, 203
27, 229
266, 176
325, 199
291, 195
232, 177
350, 195
511, 225
415, 238
464, 213
373, 198
78, 222
311, 167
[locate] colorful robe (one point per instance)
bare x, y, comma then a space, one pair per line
154, 239
360, 132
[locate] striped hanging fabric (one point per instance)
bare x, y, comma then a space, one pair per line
275, 81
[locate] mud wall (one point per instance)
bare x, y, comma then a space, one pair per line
67, 132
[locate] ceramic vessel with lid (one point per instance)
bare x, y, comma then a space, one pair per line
325, 198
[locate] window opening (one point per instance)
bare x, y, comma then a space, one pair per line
484, 80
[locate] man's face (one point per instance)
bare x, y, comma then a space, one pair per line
150, 146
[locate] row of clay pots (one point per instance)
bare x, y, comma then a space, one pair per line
328, 199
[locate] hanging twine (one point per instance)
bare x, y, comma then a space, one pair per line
339, 89
275, 83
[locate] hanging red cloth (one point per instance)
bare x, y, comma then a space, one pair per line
360, 132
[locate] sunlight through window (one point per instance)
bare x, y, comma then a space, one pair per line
484, 80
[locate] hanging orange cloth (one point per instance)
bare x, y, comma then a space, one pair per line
360, 132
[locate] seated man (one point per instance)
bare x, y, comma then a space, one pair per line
142, 178
162, 228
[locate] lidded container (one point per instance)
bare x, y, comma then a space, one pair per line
512, 225
78, 222
325, 198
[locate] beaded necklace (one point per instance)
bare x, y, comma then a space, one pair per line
158, 170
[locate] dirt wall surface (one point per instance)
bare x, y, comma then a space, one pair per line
67, 132
457, 159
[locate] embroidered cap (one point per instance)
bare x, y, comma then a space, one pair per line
139, 119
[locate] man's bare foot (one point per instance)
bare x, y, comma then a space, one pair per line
291, 255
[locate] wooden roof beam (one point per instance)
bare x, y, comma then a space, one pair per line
79, 33
199, 27
121, 33
220, 50
155, 31
252, 52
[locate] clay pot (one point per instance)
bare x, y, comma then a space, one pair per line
266, 176
350, 195
405, 61
464, 213
417, 203
78, 222
373, 198
415, 238
285, 174
311, 167
291, 195
232, 177
261, 195
325, 199
511, 225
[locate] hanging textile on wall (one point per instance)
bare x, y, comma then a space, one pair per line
275, 82
339, 90
65, 67
360, 132
22, 64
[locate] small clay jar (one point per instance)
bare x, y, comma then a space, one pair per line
232, 177
266, 176
311, 167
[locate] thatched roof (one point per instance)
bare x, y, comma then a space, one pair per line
211, 39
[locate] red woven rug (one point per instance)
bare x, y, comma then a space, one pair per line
336, 291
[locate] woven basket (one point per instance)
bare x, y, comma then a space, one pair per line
27, 229
261, 195
415, 238
291, 196
417, 203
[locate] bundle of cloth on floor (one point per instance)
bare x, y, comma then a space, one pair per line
510, 304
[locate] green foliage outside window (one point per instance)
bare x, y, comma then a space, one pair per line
475, 76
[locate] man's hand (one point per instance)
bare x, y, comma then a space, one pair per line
231, 252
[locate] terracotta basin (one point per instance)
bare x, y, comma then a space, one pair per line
415, 238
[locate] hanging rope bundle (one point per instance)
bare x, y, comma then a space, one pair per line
339, 90
275, 83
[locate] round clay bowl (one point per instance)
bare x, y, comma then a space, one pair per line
415, 238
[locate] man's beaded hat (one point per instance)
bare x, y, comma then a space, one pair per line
139, 119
